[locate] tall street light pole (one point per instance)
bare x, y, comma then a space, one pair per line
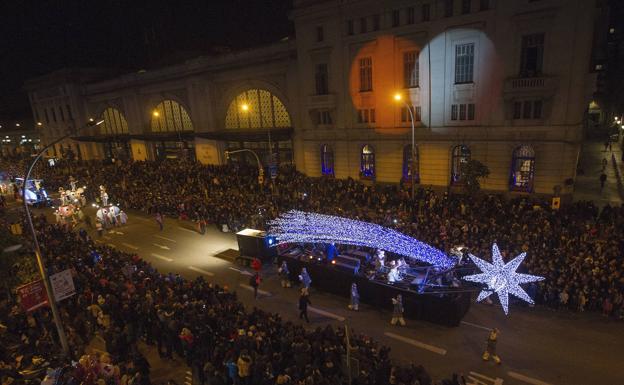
41, 265
399, 98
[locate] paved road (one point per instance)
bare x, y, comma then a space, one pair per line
587, 186
537, 345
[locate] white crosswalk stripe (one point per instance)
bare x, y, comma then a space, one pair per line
416, 343
197, 269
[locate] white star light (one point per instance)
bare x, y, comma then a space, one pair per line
501, 278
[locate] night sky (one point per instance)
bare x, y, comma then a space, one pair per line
39, 36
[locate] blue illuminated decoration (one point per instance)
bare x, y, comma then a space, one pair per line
367, 162
303, 227
501, 278
327, 160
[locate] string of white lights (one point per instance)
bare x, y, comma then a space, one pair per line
304, 227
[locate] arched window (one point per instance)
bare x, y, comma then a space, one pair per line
367, 162
522, 168
461, 155
407, 163
257, 108
114, 122
169, 115
327, 160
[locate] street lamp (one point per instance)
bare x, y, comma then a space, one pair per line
245, 108
42, 269
398, 98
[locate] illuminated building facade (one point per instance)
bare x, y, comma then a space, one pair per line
504, 82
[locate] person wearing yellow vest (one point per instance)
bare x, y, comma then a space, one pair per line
490, 348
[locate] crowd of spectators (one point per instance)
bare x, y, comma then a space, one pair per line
578, 248
124, 300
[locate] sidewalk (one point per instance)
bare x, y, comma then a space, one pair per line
587, 186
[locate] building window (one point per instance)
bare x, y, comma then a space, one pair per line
321, 78
327, 160
319, 34
376, 22
37, 116
407, 163
363, 26
366, 74
264, 110
448, 8
471, 111
532, 55
464, 63
460, 156
426, 12
53, 114
522, 169
410, 15
47, 118
349, 27
114, 122
367, 162
410, 69
366, 115
396, 18
323, 117
466, 4
484, 5
463, 111
527, 109
69, 112
405, 114
61, 114
170, 115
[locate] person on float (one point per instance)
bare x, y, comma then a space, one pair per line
355, 297
397, 311
490, 347
284, 274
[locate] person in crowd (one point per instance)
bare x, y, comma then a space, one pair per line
254, 282
397, 311
159, 220
305, 279
304, 301
284, 274
490, 347
355, 298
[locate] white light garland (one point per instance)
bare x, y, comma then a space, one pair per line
302, 227
501, 278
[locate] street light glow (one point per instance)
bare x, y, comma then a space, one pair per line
245, 107
39, 124
91, 119
156, 113
397, 97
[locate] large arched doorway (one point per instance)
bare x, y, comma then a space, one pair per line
171, 123
115, 130
522, 169
258, 120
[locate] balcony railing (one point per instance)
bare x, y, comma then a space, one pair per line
541, 85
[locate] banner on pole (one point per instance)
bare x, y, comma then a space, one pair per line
32, 295
62, 285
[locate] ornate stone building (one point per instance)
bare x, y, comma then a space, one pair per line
504, 82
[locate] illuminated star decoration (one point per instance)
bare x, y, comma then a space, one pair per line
501, 278
303, 227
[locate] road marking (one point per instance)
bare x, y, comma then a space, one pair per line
99, 241
326, 313
116, 232
162, 257
133, 247
161, 246
197, 269
529, 380
244, 272
418, 344
490, 380
260, 291
477, 326
165, 238
110, 245
185, 229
